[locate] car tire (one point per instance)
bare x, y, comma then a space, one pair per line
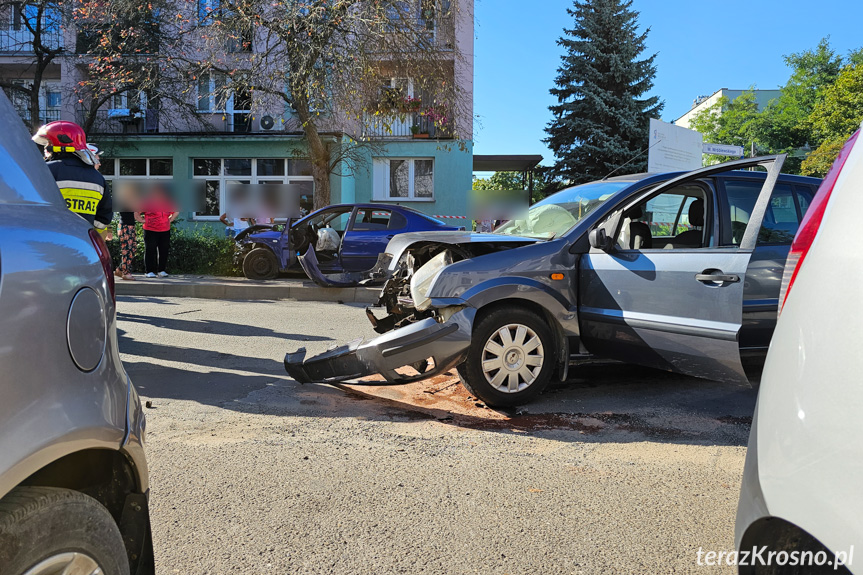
526, 359
44, 529
260, 264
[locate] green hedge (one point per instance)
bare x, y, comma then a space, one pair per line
193, 251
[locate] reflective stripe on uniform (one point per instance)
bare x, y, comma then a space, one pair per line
81, 200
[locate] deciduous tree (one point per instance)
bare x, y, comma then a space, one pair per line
327, 60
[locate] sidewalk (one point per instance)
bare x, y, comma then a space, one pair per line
210, 287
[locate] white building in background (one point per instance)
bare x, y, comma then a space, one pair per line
701, 103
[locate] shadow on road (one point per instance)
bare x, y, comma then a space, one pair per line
214, 327
608, 404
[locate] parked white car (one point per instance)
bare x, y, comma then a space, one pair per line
802, 490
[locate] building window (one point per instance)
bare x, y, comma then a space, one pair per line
137, 167
130, 169
219, 173
405, 179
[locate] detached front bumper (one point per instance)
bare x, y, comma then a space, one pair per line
445, 343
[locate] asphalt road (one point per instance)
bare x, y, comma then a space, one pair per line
620, 470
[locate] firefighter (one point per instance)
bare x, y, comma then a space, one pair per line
74, 167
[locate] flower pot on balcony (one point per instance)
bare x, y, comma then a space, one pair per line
425, 135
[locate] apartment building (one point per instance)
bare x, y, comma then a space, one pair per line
701, 103
232, 139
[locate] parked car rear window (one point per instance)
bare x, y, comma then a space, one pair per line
558, 213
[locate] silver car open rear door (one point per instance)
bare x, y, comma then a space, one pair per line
676, 309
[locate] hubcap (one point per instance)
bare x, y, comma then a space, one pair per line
66, 564
262, 265
512, 358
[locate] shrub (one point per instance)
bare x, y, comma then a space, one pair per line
193, 251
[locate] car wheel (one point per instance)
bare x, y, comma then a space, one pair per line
511, 358
48, 531
260, 264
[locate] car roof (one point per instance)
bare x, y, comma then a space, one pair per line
26, 178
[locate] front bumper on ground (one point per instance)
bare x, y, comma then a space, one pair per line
445, 343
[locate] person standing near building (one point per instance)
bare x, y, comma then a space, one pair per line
128, 244
73, 166
157, 234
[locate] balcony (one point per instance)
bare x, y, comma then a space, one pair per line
422, 33
45, 116
121, 121
21, 41
403, 127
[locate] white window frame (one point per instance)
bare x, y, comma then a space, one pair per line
117, 175
212, 97
381, 179
22, 103
255, 178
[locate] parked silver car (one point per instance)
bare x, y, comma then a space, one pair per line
801, 495
675, 271
73, 476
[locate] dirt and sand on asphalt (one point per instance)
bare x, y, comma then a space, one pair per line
619, 470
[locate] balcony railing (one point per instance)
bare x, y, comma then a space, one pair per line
403, 126
436, 33
120, 121
45, 116
21, 41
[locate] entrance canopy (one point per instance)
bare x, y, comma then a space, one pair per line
506, 163
509, 163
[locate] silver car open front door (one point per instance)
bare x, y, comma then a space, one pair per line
680, 308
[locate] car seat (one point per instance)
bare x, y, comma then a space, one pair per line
639, 232
692, 238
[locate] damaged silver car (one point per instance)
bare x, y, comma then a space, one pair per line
676, 271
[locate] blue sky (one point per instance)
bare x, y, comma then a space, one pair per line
702, 46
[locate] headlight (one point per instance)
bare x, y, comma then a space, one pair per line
424, 277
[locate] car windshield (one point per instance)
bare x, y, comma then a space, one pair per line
558, 213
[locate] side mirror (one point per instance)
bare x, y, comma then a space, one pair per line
599, 239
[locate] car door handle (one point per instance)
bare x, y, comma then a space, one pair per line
717, 277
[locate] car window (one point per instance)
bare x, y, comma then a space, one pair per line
673, 219
781, 219
368, 219
558, 213
804, 198
335, 218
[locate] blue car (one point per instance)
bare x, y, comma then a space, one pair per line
344, 238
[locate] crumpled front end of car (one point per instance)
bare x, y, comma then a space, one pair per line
427, 336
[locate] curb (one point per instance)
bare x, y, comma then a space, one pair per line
215, 288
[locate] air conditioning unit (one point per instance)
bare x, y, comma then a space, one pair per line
270, 123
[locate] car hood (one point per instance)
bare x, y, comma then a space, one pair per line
402, 242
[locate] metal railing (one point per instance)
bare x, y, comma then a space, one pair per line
45, 116
122, 121
407, 126
431, 32
21, 41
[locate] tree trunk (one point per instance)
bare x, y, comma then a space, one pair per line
34, 102
319, 156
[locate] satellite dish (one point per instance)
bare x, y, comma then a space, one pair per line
267, 122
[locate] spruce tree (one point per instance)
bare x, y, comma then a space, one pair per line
602, 118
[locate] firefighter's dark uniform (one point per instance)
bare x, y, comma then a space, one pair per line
83, 188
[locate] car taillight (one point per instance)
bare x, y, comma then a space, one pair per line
105, 259
811, 222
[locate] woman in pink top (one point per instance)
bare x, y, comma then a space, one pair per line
157, 240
